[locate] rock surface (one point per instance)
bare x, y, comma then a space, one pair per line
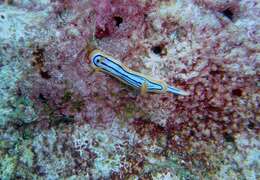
61, 120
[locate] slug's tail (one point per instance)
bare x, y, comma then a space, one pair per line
177, 91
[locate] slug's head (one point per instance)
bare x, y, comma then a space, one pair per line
96, 58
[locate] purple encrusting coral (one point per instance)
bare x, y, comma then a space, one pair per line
90, 125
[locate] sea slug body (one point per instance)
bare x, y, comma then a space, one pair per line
105, 63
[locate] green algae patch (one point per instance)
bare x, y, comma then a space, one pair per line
8, 166
27, 133
23, 110
129, 110
67, 96
3, 144
77, 105
154, 165
27, 155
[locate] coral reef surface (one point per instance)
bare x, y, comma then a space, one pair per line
59, 119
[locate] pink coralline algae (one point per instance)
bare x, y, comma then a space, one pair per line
214, 61
66, 70
208, 48
114, 19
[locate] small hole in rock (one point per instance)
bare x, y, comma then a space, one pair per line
42, 98
237, 92
45, 74
251, 125
229, 138
2, 16
118, 20
159, 49
101, 33
192, 133
228, 13
164, 99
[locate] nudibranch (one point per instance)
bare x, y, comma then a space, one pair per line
101, 61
